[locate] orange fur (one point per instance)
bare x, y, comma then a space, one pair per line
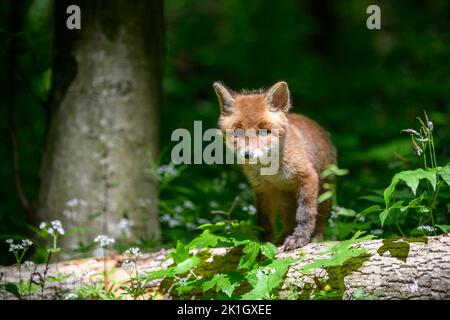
305, 151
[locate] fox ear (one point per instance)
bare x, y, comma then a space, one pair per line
225, 96
278, 97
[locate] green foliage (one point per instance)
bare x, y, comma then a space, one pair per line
428, 186
95, 291
257, 266
340, 253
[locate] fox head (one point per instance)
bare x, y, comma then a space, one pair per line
254, 123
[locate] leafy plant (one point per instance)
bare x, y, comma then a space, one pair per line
425, 187
256, 274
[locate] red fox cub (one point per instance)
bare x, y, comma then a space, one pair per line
304, 149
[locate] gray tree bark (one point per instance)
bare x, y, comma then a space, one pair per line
403, 269
104, 120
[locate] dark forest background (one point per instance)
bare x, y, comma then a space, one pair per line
362, 85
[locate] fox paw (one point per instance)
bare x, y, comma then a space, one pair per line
293, 242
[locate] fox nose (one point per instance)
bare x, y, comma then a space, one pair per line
246, 154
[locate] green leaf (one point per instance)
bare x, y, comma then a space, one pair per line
12, 288
333, 169
340, 253
186, 265
386, 212
324, 196
412, 179
269, 250
444, 227
225, 282
390, 189
264, 280
159, 274
371, 209
248, 259
372, 198
444, 172
180, 254
205, 240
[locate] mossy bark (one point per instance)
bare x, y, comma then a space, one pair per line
400, 269
104, 121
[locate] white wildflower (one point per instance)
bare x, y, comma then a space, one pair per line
167, 170
135, 252
427, 228
203, 221
250, 209
213, 204
43, 225
71, 296
103, 240
57, 226
165, 217
259, 274
191, 226
178, 209
182, 281
72, 203
27, 243
28, 265
128, 265
173, 223
69, 214
13, 247
124, 226
188, 204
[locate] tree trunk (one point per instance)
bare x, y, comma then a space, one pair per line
403, 269
104, 121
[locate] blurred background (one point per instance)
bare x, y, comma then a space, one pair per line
364, 86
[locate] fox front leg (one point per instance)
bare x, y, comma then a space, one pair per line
306, 213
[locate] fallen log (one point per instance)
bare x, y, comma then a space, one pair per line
390, 269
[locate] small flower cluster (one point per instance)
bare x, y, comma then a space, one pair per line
73, 207
265, 271
423, 137
71, 296
250, 209
172, 221
28, 265
54, 228
103, 240
376, 231
182, 281
124, 226
426, 228
167, 170
72, 203
14, 247
129, 265
135, 252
